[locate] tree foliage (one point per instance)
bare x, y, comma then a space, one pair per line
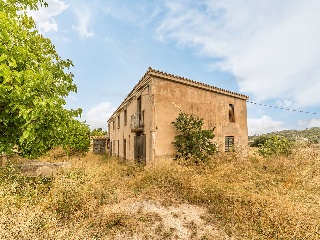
193, 143
259, 140
276, 146
98, 132
34, 82
77, 139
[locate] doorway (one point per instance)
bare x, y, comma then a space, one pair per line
140, 149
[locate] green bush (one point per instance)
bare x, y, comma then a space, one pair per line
258, 140
193, 143
77, 141
276, 146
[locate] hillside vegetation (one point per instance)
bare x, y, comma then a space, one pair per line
102, 198
310, 134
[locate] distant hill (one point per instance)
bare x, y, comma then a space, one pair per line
308, 134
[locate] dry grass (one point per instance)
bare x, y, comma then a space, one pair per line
253, 198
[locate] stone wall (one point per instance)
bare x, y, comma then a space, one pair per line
99, 144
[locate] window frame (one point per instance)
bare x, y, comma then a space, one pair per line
229, 143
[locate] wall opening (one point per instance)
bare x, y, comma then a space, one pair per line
125, 117
124, 149
229, 143
140, 149
139, 104
118, 153
231, 113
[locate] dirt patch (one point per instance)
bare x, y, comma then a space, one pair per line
178, 221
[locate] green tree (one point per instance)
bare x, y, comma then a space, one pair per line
98, 132
193, 143
276, 146
34, 82
259, 140
77, 139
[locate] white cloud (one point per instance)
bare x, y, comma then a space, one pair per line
84, 17
98, 115
310, 123
72, 97
271, 46
264, 125
285, 103
44, 17
131, 12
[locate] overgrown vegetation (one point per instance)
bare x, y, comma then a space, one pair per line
275, 146
311, 135
256, 141
193, 144
253, 198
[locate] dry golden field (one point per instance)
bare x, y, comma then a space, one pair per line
99, 197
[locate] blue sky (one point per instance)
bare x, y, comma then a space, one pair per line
266, 49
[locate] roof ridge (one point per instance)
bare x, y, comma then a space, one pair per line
184, 79
150, 69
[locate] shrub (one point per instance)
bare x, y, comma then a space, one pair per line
193, 143
259, 140
276, 146
78, 138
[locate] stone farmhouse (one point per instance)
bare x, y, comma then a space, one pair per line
141, 128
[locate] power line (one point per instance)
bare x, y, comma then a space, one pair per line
282, 108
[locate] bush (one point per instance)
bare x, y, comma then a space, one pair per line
78, 138
276, 146
193, 143
259, 140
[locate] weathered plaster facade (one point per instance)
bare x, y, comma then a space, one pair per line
141, 128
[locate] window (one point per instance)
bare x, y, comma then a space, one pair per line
124, 149
231, 113
118, 153
139, 104
119, 121
125, 117
229, 143
142, 118
113, 125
